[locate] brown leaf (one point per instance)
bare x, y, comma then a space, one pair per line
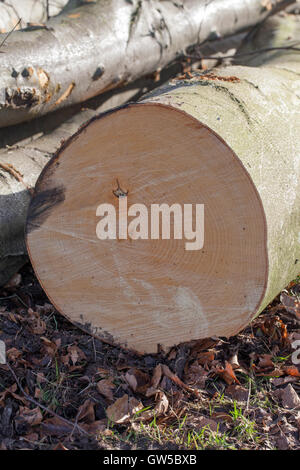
56, 427
32, 417
138, 380
205, 357
75, 354
201, 422
123, 409
38, 327
156, 378
290, 398
196, 375
237, 392
11, 391
227, 374
168, 373
162, 404
291, 303
95, 427
13, 354
86, 412
106, 387
292, 371
265, 361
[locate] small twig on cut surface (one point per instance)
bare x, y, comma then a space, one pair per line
36, 403
10, 32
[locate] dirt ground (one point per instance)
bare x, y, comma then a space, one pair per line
63, 389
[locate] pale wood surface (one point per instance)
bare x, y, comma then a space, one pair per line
145, 293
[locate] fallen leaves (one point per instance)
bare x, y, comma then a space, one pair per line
291, 303
106, 387
137, 380
32, 417
123, 409
289, 397
106, 392
227, 374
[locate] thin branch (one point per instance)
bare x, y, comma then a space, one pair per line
10, 32
36, 403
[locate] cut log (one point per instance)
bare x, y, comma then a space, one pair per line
29, 12
104, 44
29, 146
227, 139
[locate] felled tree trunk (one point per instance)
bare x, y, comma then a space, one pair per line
28, 12
102, 45
227, 139
29, 146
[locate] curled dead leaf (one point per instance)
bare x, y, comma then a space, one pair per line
86, 412
106, 387
32, 417
137, 380
227, 374
123, 409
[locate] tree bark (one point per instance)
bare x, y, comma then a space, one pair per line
228, 139
26, 12
107, 43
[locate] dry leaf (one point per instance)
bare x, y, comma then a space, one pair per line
292, 370
137, 380
75, 354
168, 373
156, 378
227, 374
38, 326
196, 375
162, 404
292, 304
265, 361
95, 427
205, 357
32, 417
86, 412
290, 398
123, 409
106, 387
56, 427
237, 392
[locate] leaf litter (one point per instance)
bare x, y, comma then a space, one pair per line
62, 389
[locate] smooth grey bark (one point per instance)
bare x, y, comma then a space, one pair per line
107, 43
259, 118
28, 11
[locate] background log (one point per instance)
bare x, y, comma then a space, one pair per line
228, 139
25, 12
104, 44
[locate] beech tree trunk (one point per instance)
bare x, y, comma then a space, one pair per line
29, 12
29, 146
228, 139
106, 43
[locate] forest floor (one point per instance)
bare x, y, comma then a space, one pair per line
63, 389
